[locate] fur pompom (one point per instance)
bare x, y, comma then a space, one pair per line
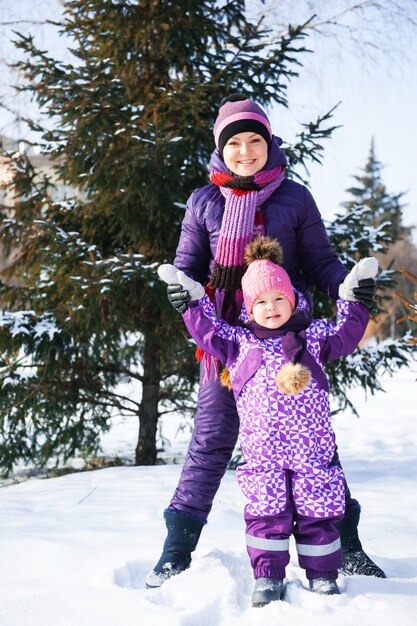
234, 97
225, 379
264, 248
293, 378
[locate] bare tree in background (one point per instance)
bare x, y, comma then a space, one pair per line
364, 27
410, 305
24, 16
401, 254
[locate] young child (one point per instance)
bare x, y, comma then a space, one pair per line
275, 369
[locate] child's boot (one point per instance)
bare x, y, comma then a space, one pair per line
267, 590
184, 531
324, 586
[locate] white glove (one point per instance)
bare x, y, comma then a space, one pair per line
173, 276
367, 268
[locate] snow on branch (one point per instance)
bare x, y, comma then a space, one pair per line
28, 323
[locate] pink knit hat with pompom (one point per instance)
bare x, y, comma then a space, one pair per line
263, 274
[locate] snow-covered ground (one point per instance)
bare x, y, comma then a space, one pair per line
74, 550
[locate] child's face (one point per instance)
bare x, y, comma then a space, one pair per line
271, 309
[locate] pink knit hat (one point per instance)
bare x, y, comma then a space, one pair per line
238, 115
264, 274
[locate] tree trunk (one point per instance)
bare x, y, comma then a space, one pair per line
148, 411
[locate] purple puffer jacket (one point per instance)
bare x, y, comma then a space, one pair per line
290, 215
278, 431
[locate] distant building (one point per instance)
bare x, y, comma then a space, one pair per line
9, 147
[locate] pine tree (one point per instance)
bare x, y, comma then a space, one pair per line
386, 211
353, 239
370, 191
366, 226
128, 127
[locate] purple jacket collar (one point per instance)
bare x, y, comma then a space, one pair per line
294, 343
297, 322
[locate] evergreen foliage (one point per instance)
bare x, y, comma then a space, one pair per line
369, 222
385, 212
370, 191
353, 238
128, 126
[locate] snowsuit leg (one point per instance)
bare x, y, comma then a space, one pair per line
216, 427
317, 507
267, 537
267, 542
318, 546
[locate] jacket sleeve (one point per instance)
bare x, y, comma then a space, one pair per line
342, 338
193, 254
319, 262
213, 335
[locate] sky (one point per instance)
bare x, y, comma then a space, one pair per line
376, 88
377, 92
368, 109
75, 550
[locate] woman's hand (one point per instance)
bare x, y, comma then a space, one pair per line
181, 288
359, 285
365, 291
178, 297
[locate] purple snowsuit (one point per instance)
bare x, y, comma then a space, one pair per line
287, 441
292, 217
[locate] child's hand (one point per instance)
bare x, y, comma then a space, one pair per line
181, 288
359, 285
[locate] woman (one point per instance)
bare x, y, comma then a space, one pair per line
248, 195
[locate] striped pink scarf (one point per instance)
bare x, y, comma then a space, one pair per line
240, 224
242, 221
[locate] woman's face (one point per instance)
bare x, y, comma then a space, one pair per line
245, 154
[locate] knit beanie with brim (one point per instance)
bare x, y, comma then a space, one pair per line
239, 114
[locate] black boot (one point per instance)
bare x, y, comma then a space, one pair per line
267, 590
358, 562
354, 559
183, 534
